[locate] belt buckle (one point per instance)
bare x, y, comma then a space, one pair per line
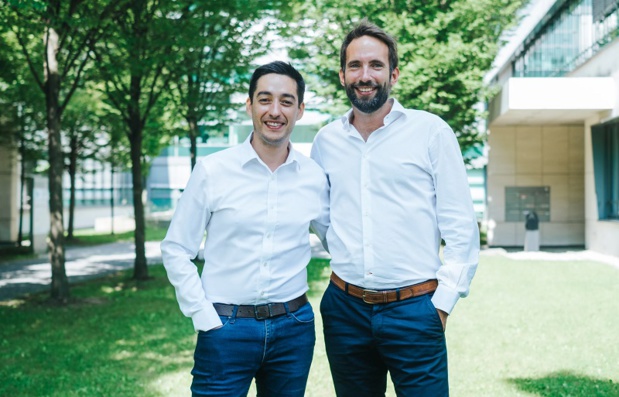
369, 291
262, 312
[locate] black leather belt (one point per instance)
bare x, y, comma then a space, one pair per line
260, 312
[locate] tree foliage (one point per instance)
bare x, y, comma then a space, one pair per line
220, 41
54, 38
134, 63
445, 47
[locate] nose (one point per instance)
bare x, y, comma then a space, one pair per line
365, 75
275, 109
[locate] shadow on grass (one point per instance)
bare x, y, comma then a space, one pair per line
566, 383
117, 337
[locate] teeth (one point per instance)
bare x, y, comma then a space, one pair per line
366, 89
273, 124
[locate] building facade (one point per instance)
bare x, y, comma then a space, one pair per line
553, 128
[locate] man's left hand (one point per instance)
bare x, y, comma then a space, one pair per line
443, 317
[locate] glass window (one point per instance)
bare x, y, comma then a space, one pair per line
605, 142
573, 32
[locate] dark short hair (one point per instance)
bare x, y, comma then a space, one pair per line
366, 28
277, 67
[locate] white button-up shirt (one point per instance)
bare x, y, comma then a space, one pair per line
257, 224
392, 200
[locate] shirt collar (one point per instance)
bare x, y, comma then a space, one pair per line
397, 111
247, 153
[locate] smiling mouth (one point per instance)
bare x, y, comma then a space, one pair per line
273, 124
365, 90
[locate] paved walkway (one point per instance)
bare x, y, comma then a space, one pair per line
555, 254
82, 263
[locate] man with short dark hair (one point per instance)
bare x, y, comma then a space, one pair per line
256, 202
398, 186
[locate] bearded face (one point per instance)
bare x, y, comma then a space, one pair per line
377, 95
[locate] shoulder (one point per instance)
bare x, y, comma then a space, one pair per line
219, 163
331, 130
307, 164
430, 119
221, 157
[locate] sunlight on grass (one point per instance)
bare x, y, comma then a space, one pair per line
529, 328
172, 384
92, 237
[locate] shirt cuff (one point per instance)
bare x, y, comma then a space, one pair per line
445, 299
206, 319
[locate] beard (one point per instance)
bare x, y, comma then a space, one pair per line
369, 105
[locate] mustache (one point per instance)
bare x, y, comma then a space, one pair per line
365, 84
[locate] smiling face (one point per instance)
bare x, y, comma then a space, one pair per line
274, 109
366, 77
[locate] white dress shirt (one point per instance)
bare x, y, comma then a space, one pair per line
392, 200
257, 224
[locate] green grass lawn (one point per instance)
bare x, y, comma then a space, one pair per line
527, 329
85, 237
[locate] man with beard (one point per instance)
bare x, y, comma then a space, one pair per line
398, 186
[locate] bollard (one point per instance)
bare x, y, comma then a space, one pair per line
531, 234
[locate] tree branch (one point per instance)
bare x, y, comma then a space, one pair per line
36, 76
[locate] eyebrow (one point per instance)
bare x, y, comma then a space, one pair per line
271, 94
371, 62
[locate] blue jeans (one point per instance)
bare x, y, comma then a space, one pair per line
366, 341
277, 352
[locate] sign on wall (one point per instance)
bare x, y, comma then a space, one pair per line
519, 200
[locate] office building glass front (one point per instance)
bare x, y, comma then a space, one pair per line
571, 33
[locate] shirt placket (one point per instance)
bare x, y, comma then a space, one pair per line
366, 213
267, 238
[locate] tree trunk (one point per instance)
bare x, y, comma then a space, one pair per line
22, 182
193, 139
112, 194
60, 283
72, 172
140, 269
136, 129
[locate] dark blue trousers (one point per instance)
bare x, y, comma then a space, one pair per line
277, 352
366, 341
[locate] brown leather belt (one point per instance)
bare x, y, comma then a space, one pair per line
260, 312
385, 296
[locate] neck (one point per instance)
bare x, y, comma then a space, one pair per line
366, 123
272, 155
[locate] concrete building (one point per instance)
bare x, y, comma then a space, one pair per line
9, 194
553, 128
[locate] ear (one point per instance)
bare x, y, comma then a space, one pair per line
301, 110
248, 106
342, 81
395, 74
